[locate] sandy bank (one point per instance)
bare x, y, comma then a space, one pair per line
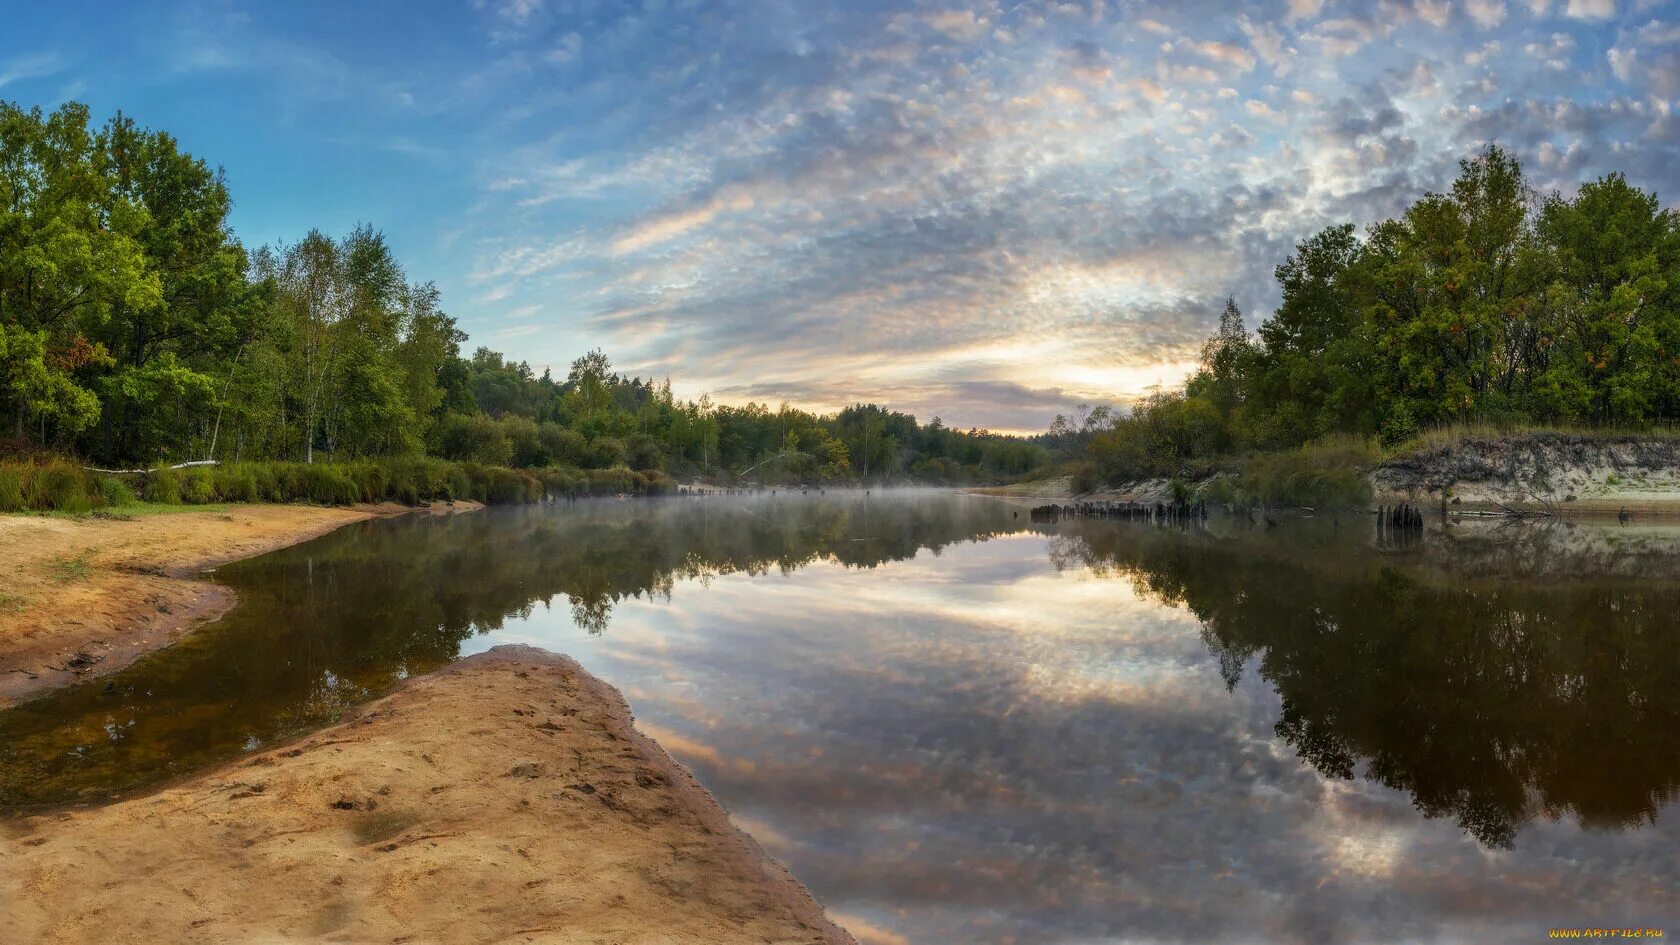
1567, 473
87, 597
507, 798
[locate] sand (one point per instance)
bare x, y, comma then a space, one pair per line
506, 798
84, 597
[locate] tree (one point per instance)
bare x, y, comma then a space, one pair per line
69, 253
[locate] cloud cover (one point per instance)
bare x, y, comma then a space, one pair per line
910, 202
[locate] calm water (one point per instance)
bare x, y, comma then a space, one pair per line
958, 726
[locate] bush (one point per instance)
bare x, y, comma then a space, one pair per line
115, 492
644, 452
411, 480
564, 447
163, 486
328, 485
236, 483
11, 489
60, 487
1329, 473
525, 438
474, 439
508, 486
198, 486
605, 452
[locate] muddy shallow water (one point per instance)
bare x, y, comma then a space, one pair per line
956, 725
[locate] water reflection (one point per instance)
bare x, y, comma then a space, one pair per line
956, 726
1488, 677
328, 625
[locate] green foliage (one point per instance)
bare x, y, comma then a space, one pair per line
1483, 304
1328, 474
59, 486
11, 489
139, 332
236, 483
605, 453
162, 486
113, 491
474, 439
197, 486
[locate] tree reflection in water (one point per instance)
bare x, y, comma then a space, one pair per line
1495, 676
328, 625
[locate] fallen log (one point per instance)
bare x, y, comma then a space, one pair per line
141, 472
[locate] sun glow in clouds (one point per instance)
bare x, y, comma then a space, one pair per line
987, 212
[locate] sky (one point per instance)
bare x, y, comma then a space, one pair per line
987, 212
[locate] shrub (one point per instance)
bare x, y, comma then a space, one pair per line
509, 486
60, 487
1328, 473
564, 447
328, 485
644, 452
475, 439
655, 482
237, 483
525, 438
162, 486
115, 492
11, 489
605, 452
198, 486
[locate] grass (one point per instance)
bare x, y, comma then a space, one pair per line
12, 603
59, 486
1452, 434
131, 511
1329, 473
69, 569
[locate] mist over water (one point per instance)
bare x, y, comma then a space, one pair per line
958, 726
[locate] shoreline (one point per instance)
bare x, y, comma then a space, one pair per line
83, 598
505, 797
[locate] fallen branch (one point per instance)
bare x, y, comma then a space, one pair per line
138, 472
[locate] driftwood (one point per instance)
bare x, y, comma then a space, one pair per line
141, 472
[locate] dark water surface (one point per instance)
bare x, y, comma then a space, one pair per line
958, 726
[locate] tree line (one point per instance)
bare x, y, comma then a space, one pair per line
135, 328
1489, 303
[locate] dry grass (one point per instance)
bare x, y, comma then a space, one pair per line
1452, 434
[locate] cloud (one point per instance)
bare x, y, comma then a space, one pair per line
1039, 201
30, 66
1227, 53
1486, 13
1304, 9
1590, 9
1434, 12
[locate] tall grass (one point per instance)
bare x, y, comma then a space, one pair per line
1451, 434
1329, 473
56, 485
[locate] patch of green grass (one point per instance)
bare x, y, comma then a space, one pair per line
12, 603
68, 569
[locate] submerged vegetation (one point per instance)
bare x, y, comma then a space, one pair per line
136, 330
1489, 307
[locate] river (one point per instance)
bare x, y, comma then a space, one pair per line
957, 725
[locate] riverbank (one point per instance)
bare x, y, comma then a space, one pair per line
1533, 473
82, 597
506, 798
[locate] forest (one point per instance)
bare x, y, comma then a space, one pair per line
136, 330
1490, 304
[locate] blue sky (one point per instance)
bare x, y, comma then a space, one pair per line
987, 212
